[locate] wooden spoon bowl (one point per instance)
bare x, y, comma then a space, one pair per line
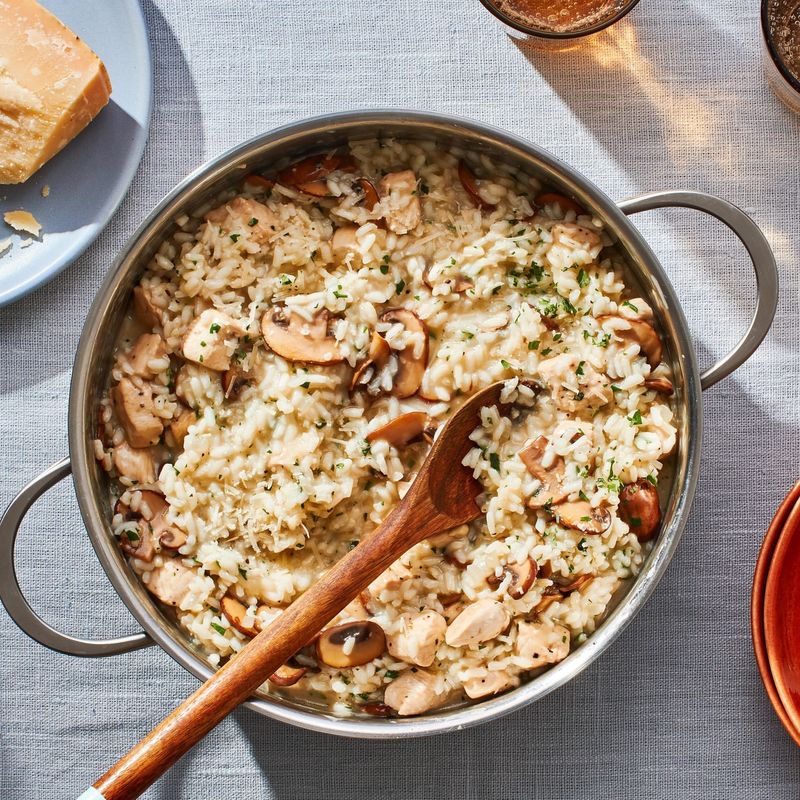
757, 607
781, 620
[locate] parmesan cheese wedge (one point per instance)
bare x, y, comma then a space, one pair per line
51, 87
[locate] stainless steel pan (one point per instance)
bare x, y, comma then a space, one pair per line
274, 150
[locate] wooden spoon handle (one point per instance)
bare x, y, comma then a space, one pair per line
271, 648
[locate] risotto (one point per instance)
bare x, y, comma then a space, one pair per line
290, 353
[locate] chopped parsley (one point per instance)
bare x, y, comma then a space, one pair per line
494, 460
468, 334
214, 328
635, 418
384, 269
547, 351
235, 237
252, 222
583, 278
305, 384
399, 286
505, 364
579, 370
631, 306
218, 628
391, 674
534, 345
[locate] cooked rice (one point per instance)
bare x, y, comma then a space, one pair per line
275, 486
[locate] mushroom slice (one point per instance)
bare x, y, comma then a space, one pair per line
493, 681
351, 644
257, 182
138, 544
638, 507
582, 516
419, 638
233, 381
371, 196
344, 239
145, 308
565, 586
314, 168
210, 340
446, 537
639, 332
660, 385
137, 464
136, 413
566, 203
235, 611
378, 355
179, 427
410, 367
401, 430
458, 284
551, 478
478, 622
296, 339
401, 207
540, 643
287, 675
171, 582
522, 577
377, 709
315, 188
148, 347
414, 692
470, 184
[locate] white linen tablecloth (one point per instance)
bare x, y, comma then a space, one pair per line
673, 97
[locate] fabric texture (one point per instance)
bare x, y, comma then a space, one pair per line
672, 97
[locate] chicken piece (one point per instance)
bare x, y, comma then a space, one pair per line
145, 308
570, 234
390, 579
246, 216
419, 638
493, 681
148, 347
136, 464
171, 582
211, 340
179, 426
136, 413
344, 240
400, 201
574, 384
478, 622
540, 643
413, 693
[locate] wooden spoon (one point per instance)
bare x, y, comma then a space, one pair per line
442, 496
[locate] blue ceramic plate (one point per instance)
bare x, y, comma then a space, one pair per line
90, 176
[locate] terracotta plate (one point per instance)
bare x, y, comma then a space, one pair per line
782, 620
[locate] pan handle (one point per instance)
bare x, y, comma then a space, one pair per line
750, 235
11, 595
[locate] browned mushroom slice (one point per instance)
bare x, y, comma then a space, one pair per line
377, 709
287, 675
236, 611
351, 644
401, 430
315, 188
410, 368
566, 203
400, 201
551, 478
582, 516
429, 431
638, 507
314, 168
641, 333
378, 355
547, 600
145, 308
297, 339
470, 184
522, 577
139, 543
660, 385
137, 413
458, 284
179, 427
123, 509
172, 538
571, 584
371, 196
233, 381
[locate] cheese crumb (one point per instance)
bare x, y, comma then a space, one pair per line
45, 191
5, 244
23, 221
